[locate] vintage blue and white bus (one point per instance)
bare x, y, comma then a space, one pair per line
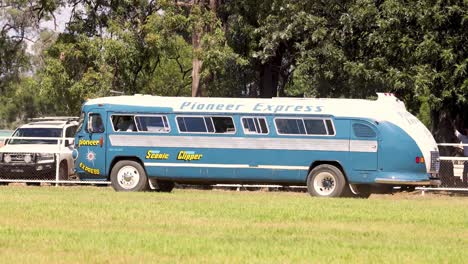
335, 147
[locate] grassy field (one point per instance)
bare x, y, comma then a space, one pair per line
98, 225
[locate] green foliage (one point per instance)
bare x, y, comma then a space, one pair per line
337, 48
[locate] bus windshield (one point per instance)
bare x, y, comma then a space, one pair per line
40, 133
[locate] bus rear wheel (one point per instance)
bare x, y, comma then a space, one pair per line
326, 181
129, 176
164, 186
360, 190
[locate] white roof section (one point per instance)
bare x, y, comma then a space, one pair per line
375, 109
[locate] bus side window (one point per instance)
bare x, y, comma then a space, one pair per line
123, 123
315, 127
95, 124
191, 124
363, 131
156, 124
304, 126
206, 124
254, 125
223, 124
290, 126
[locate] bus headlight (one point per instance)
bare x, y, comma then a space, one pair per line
7, 158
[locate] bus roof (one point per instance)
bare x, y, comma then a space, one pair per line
385, 103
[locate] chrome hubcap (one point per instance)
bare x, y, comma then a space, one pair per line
128, 177
324, 183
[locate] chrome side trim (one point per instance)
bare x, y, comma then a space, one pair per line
225, 166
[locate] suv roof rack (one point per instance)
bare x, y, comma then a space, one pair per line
54, 118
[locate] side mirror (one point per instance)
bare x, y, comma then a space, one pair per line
69, 142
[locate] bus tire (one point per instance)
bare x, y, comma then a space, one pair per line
361, 190
326, 181
129, 176
164, 186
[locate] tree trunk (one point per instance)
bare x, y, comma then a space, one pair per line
196, 67
269, 78
196, 47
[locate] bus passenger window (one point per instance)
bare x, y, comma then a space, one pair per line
156, 124
304, 126
191, 124
223, 124
123, 123
315, 127
254, 125
207, 124
290, 126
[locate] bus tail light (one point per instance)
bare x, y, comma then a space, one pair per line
419, 159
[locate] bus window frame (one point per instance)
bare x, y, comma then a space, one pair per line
112, 123
305, 129
136, 123
153, 115
214, 128
251, 133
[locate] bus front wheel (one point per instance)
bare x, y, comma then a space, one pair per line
129, 176
326, 181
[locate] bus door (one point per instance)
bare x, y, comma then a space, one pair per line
91, 145
363, 146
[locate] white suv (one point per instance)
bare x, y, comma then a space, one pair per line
31, 155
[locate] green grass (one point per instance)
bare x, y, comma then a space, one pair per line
98, 225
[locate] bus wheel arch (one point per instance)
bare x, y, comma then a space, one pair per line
329, 162
327, 179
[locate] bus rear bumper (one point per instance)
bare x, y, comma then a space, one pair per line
429, 182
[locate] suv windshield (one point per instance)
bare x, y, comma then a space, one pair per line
40, 133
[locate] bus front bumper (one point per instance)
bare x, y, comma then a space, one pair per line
429, 182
